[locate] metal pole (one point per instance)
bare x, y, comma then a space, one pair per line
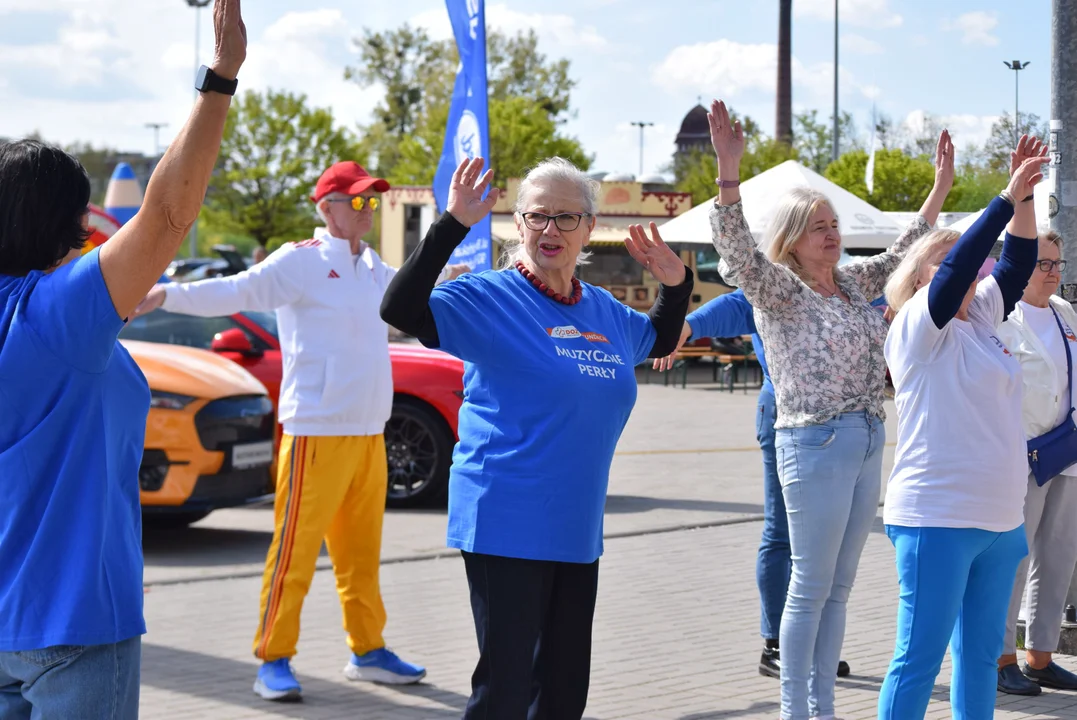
641, 125
1017, 107
192, 237
1063, 174
836, 143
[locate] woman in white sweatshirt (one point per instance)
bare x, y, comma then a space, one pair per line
1037, 333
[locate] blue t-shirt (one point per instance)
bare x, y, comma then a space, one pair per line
548, 389
72, 428
730, 315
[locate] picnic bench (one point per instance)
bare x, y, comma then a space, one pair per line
727, 363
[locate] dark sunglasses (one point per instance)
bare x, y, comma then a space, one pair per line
565, 222
358, 202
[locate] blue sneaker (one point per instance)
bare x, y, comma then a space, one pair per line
383, 666
276, 681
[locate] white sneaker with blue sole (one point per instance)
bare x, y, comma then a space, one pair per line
276, 681
383, 666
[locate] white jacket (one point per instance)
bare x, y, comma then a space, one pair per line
337, 376
1043, 395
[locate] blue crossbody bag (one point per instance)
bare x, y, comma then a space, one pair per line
1055, 450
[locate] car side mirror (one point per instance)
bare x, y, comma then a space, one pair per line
234, 340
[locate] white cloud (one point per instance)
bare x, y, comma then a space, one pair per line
557, 30
116, 65
859, 45
975, 28
865, 13
725, 69
964, 129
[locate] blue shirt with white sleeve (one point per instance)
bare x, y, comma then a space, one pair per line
71, 441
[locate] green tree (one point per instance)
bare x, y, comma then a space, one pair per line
1003, 139
529, 98
901, 182
274, 149
814, 140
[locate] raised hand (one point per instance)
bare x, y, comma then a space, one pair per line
1027, 147
230, 38
1027, 174
666, 363
465, 193
664, 264
944, 162
727, 137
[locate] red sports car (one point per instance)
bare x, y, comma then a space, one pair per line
420, 435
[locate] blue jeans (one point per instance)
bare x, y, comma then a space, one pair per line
955, 589
773, 562
831, 475
72, 681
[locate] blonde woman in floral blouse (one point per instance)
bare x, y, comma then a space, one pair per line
824, 345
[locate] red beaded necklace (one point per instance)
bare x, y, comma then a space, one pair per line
577, 288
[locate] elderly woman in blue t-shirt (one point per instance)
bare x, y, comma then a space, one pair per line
549, 385
70, 525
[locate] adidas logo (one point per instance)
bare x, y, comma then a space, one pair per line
333, 274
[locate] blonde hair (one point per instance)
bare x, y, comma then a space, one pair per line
902, 284
789, 225
551, 170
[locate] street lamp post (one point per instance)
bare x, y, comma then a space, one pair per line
156, 127
836, 143
197, 5
641, 125
1017, 66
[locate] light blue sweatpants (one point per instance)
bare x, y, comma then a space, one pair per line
955, 589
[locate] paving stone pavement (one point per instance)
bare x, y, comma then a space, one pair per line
676, 627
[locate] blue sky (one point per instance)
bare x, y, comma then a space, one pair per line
99, 71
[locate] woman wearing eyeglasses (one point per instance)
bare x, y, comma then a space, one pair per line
1038, 332
548, 386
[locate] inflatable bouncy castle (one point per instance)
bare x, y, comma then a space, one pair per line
103, 226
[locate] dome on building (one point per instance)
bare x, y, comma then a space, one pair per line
695, 131
654, 179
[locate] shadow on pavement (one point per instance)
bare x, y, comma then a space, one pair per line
756, 709
204, 546
230, 681
639, 504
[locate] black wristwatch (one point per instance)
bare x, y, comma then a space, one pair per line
209, 81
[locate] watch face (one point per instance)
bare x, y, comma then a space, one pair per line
200, 78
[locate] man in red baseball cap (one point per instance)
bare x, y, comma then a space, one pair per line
336, 396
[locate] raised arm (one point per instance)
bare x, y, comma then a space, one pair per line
764, 283
406, 304
674, 291
727, 315
139, 253
958, 270
872, 273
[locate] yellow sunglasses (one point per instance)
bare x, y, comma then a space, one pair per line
359, 202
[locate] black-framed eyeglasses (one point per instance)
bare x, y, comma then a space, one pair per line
565, 222
1049, 265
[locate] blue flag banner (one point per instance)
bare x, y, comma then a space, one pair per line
467, 134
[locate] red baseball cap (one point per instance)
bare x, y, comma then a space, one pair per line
346, 177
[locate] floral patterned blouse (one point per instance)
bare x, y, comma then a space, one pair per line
825, 355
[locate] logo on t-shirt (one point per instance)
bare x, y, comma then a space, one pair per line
568, 332
1001, 347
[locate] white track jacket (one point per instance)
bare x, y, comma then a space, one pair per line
337, 376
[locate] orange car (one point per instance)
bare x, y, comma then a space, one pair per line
209, 434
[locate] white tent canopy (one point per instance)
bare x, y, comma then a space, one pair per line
1041, 199
862, 225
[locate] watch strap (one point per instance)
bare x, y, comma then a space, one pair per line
210, 81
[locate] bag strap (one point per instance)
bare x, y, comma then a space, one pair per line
1069, 358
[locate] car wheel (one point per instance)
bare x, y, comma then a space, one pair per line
418, 446
173, 520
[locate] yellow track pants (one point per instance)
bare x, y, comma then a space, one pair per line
330, 488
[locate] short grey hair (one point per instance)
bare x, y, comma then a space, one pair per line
318, 205
555, 169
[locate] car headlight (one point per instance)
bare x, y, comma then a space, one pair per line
169, 401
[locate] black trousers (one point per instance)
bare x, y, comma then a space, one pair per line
533, 621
